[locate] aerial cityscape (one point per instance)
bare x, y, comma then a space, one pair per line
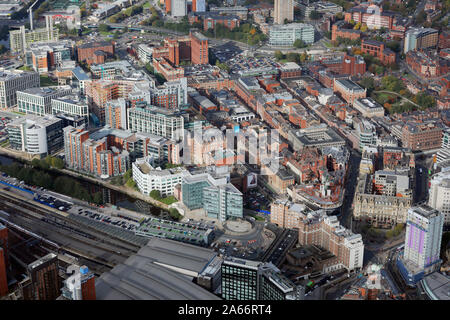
224, 150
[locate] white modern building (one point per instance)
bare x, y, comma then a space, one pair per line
154, 120
39, 100
145, 53
439, 198
13, 80
443, 154
283, 9
422, 243
286, 34
369, 107
36, 135
148, 178
70, 105
178, 8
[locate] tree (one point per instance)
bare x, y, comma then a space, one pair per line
155, 194
315, 15
368, 83
98, 198
57, 163
103, 27
363, 28
174, 213
279, 55
293, 57
299, 43
286, 21
394, 46
357, 26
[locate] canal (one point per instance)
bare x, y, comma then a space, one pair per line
110, 196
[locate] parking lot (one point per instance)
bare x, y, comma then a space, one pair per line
241, 63
256, 200
226, 51
113, 221
3, 130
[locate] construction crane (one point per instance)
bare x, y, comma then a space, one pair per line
30, 11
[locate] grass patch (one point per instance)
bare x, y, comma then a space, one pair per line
106, 33
25, 68
146, 5
19, 113
47, 81
168, 200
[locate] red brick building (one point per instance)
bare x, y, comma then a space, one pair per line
95, 52
378, 50
427, 64
337, 31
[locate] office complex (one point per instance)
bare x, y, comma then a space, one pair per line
94, 52
254, 280
223, 202
283, 9
323, 7
349, 90
70, 105
422, 244
38, 101
285, 35
178, 8
157, 121
148, 178
13, 80
20, 40
36, 135
317, 228
198, 6
420, 38
422, 136
44, 275
440, 193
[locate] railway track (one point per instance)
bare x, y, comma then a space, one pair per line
99, 251
41, 211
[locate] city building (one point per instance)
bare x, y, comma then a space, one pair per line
161, 270
254, 280
323, 7
439, 193
38, 101
287, 214
436, 286
79, 79
70, 105
427, 64
36, 135
4, 261
286, 34
198, 5
223, 202
422, 244
20, 40
3, 277
283, 9
94, 52
325, 231
178, 8
86, 290
44, 275
443, 154
368, 107
210, 20
420, 38
315, 136
149, 178
101, 153
113, 69
339, 30
116, 114
193, 185
240, 11
12, 81
378, 50
179, 231
145, 53
349, 90
157, 121
422, 136
43, 57
365, 132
